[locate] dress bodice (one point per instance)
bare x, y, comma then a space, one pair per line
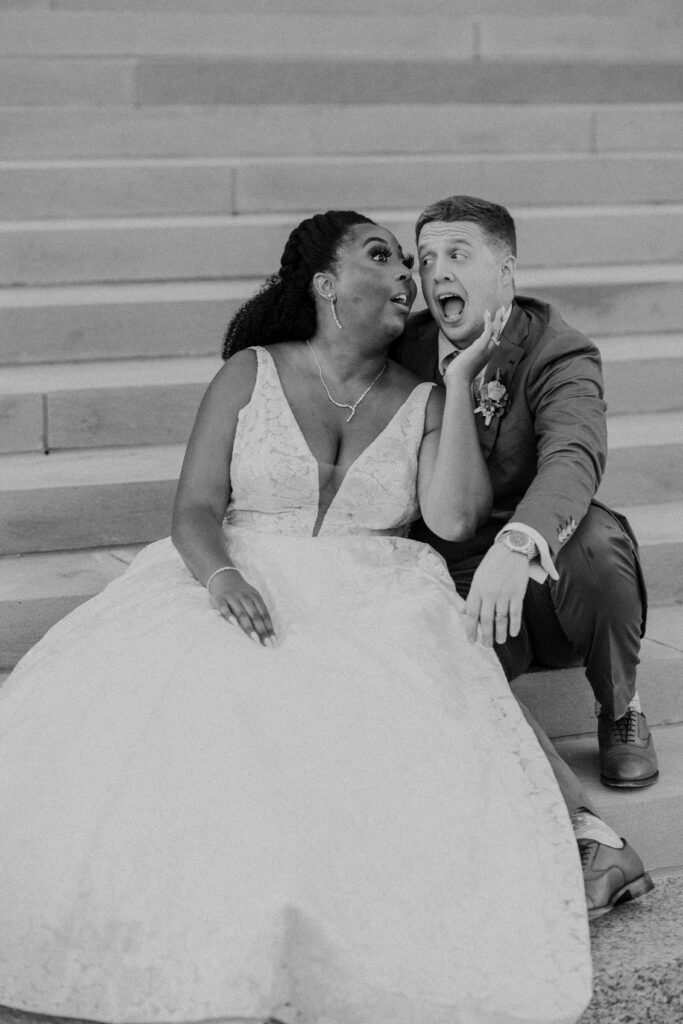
275, 484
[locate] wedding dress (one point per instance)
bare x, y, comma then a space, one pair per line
353, 827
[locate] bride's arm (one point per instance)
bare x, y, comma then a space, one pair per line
203, 494
454, 487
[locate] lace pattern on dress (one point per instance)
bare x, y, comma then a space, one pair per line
274, 475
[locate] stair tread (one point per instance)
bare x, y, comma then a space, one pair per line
86, 467
645, 429
329, 33
162, 372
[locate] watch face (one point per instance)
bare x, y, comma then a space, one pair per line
517, 539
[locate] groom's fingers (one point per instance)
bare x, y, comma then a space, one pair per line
515, 624
502, 619
487, 622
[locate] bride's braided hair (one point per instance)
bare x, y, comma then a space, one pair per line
284, 308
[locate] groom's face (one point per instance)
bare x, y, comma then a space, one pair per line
463, 273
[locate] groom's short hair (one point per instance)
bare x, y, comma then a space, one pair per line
494, 220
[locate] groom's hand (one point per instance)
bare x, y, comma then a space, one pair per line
496, 596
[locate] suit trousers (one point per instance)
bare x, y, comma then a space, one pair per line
592, 616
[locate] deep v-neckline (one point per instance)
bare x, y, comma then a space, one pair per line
320, 520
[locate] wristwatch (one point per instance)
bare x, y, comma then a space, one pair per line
520, 543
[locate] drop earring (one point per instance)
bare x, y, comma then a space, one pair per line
333, 307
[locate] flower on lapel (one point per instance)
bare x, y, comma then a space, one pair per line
494, 399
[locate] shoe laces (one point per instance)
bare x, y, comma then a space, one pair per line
626, 727
585, 850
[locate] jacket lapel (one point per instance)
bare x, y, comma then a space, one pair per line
506, 358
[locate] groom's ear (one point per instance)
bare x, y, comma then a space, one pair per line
507, 269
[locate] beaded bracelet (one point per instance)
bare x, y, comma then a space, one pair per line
223, 568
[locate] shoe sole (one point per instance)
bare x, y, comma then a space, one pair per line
629, 784
627, 893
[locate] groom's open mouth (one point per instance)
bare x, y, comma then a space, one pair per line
451, 305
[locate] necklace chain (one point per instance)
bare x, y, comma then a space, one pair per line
345, 405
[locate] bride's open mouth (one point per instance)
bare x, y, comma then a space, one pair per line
452, 306
403, 300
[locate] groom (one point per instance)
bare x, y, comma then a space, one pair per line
553, 576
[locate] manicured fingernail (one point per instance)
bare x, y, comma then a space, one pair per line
254, 636
232, 620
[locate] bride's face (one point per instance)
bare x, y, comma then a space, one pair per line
374, 283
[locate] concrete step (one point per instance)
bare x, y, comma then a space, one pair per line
659, 529
38, 590
168, 248
645, 463
87, 498
563, 702
86, 322
319, 128
638, 37
643, 373
32, 189
210, 80
652, 818
84, 405
83, 322
660, 7
154, 401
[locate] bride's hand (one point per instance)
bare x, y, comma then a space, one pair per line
471, 360
241, 605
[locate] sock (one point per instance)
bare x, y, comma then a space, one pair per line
588, 826
634, 703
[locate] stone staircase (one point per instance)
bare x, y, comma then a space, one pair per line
154, 155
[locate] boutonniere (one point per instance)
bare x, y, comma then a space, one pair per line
493, 398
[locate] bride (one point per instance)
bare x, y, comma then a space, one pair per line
263, 774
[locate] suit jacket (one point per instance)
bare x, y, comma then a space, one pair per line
547, 452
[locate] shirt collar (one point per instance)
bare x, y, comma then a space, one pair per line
447, 348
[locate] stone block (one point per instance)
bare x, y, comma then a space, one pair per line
247, 80
21, 422
182, 248
89, 498
103, 417
523, 180
225, 34
28, 82
118, 321
30, 191
648, 127
317, 128
643, 475
640, 37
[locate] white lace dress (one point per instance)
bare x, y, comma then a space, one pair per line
354, 827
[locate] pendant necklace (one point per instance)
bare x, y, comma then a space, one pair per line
345, 405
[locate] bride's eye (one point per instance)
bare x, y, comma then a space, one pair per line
408, 261
380, 253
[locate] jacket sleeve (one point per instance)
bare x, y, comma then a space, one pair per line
565, 395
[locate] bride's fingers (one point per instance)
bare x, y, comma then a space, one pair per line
259, 629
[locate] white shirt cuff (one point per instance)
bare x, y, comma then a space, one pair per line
543, 566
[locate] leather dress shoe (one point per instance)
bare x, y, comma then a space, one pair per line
610, 876
627, 754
